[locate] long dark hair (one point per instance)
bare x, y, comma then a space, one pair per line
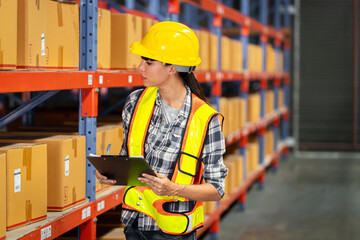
191, 81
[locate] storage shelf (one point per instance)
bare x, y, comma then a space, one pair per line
61, 222
226, 203
23, 81
255, 126
235, 16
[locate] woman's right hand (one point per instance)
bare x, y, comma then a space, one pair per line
103, 179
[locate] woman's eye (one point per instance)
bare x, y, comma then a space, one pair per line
149, 63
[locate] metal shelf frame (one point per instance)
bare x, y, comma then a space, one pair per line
89, 80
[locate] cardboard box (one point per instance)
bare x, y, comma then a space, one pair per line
8, 34
204, 54
146, 25
224, 110
269, 142
252, 156
32, 37
281, 97
65, 168
225, 54
233, 114
269, 101
26, 183
209, 207
114, 234
62, 42
125, 30
230, 183
254, 107
104, 39
236, 63
2, 196
213, 52
242, 112
238, 169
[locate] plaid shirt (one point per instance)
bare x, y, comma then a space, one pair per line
162, 147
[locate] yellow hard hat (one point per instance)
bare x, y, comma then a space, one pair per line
169, 42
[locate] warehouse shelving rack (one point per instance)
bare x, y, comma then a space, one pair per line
89, 80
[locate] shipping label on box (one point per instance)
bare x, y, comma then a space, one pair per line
26, 183
8, 34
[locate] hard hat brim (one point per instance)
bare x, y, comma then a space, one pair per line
138, 49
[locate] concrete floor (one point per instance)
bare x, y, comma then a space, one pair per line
307, 199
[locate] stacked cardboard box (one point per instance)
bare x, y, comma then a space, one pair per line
238, 169
62, 36
125, 30
252, 160
104, 39
204, 54
270, 58
65, 168
224, 110
269, 142
225, 54
213, 52
253, 107
255, 58
2, 196
236, 63
209, 207
269, 101
26, 183
281, 98
8, 34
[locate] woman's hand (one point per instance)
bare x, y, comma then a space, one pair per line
160, 184
103, 179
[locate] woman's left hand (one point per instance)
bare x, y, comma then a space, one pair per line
160, 184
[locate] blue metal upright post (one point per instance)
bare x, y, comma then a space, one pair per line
285, 125
88, 61
244, 89
277, 25
263, 84
154, 7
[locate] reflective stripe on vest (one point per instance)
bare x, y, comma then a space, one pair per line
187, 170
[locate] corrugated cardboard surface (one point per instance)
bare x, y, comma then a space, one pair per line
204, 53
224, 110
253, 156
269, 101
2, 195
62, 28
125, 30
114, 234
65, 168
32, 37
8, 34
236, 63
213, 52
225, 54
254, 107
26, 167
104, 39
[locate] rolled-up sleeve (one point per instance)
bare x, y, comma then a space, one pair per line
214, 148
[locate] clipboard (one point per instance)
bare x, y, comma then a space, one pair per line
125, 170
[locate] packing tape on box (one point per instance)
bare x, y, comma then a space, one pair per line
27, 157
61, 56
74, 145
60, 15
74, 194
28, 210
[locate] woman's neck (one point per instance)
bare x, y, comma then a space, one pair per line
173, 93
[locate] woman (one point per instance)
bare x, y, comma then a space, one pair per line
170, 124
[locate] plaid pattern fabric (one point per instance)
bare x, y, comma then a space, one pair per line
162, 147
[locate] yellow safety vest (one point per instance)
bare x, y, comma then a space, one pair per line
188, 169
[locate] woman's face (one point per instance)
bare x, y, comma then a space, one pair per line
153, 73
